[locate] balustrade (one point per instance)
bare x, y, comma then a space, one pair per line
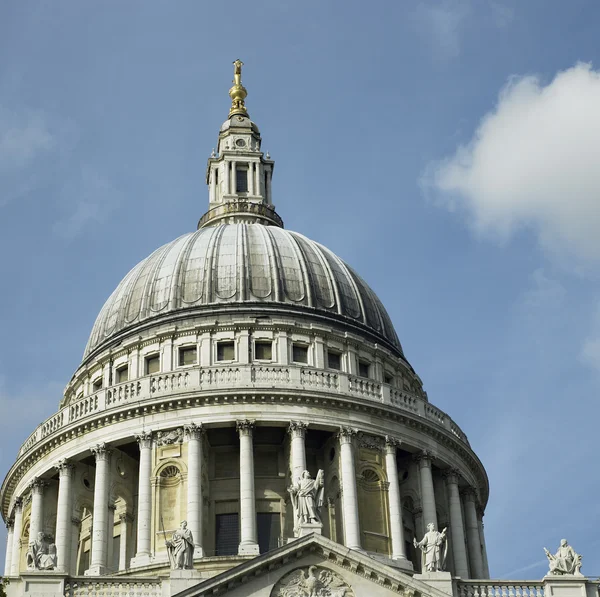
364, 387
123, 392
320, 379
107, 587
500, 588
270, 374
170, 382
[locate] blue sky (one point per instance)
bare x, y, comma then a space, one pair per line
445, 149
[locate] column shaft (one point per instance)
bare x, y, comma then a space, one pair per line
213, 185
427, 491
10, 528
37, 509
98, 564
248, 537
486, 566
233, 174
473, 539
123, 541
226, 177
461, 565
395, 499
349, 493
64, 514
297, 431
194, 434
15, 562
144, 509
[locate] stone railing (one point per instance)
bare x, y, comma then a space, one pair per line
111, 587
235, 377
500, 588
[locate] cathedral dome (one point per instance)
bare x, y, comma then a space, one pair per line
241, 266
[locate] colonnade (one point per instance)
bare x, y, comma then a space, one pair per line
466, 527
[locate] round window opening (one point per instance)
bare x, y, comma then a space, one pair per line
331, 454
240, 142
86, 481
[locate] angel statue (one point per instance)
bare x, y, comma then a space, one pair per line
312, 583
434, 549
565, 561
307, 498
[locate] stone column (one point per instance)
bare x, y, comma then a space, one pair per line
349, 493
194, 434
257, 179
64, 513
37, 508
396, 526
297, 431
15, 561
486, 566
125, 519
248, 537
144, 509
213, 184
473, 540
457, 532
427, 492
250, 175
10, 530
268, 186
233, 174
226, 177
98, 564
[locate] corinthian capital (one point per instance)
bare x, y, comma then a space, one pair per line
102, 452
451, 476
391, 444
297, 429
244, 427
193, 431
346, 435
64, 468
38, 485
423, 459
144, 440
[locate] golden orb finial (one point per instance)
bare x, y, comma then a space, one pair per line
238, 92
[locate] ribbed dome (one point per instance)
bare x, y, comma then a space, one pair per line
235, 264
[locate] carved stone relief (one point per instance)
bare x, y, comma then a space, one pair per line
168, 438
312, 581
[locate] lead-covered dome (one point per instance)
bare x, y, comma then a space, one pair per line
241, 265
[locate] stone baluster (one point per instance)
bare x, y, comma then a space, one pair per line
248, 539
297, 431
427, 491
15, 561
10, 531
473, 540
349, 493
64, 533
396, 526
144, 509
98, 564
125, 519
486, 566
36, 520
195, 434
457, 532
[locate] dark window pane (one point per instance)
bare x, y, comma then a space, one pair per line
152, 365
187, 356
122, 374
269, 530
97, 385
227, 534
299, 353
241, 180
225, 351
388, 379
263, 351
334, 360
363, 369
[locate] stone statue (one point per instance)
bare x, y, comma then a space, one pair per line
434, 548
565, 560
314, 582
181, 548
41, 554
307, 498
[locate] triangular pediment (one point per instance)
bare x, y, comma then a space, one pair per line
313, 561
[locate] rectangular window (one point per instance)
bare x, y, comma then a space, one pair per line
363, 368
388, 379
225, 351
187, 356
122, 374
263, 351
334, 360
152, 364
268, 530
299, 353
241, 180
227, 534
97, 385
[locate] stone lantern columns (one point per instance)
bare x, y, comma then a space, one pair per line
98, 565
16, 545
461, 565
144, 509
195, 435
10, 531
248, 537
396, 526
473, 538
64, 512
427, 492
349, 493
297, 431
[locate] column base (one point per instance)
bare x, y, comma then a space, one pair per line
98, 570
248, 549
438, 580
142, 559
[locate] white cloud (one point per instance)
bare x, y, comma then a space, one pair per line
532, 164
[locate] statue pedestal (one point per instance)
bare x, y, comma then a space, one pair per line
442, 581
564, 585
46, 582
306, 528
183, 579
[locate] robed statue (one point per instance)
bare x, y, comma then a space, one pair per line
41, 554
181, 548
565, 561
307, 498
434, 549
